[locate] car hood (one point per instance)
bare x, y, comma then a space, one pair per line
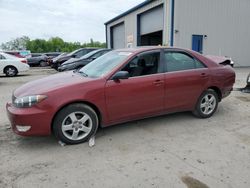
50, 83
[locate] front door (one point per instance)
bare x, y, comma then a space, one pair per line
140, 95
197, 43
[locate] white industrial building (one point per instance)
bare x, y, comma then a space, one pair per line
212, 27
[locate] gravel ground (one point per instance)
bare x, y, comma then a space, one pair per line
173, 151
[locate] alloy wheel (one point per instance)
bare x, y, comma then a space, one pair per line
11, 71
77, 126
208, 104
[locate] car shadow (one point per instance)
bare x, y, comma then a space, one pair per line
147, 124
19, 75
50, 142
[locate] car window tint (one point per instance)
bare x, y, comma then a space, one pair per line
199, 65
98, 54
177, 61
81, 53
145, 64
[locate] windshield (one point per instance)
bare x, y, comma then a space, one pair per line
71, 53
88, 55
104, 64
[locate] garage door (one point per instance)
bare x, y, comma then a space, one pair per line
118, 36
151, 21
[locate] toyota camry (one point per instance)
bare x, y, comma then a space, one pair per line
120, 86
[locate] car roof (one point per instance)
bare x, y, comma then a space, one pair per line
8, 56
147, 48
197, 55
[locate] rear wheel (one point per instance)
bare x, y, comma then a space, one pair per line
43, 64
75, 123
207, 104
10, 71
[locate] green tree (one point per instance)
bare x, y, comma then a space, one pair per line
16, 44
54, 44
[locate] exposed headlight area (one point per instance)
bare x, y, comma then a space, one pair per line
28, 101
248, 79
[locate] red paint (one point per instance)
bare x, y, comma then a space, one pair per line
120, 101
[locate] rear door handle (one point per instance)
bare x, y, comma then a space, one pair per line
204, 75
158, 82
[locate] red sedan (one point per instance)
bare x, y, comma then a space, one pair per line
123, 85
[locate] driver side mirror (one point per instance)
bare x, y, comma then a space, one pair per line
120, 75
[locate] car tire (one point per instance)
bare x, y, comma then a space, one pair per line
207, 104
10, 71
75, 123
43, 64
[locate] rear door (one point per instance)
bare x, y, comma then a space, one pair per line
140, 95
185, 79
2, 63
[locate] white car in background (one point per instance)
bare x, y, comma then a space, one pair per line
11, 65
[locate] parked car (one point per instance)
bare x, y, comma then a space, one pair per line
11, 65
52, 55
75, 63
20, 53
247, 88
223, 60
38, 60
54, 59
75, 54
120, 86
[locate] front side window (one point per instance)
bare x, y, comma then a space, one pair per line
178, 61
142, 65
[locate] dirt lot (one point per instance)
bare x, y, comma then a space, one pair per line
170, 151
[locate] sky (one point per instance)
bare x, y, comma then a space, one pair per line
72, 20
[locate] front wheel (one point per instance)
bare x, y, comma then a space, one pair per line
10, 71
43, 64
75, 123
207, 104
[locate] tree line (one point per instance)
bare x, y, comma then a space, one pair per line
54, 44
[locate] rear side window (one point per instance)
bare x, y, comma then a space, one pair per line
178, 61
98, 54
82, 52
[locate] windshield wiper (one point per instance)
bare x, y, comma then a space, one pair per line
83, 73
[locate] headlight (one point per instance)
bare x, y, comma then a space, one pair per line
28, 101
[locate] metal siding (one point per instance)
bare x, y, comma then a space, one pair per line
118, 36
151, 21
225, 22
130, 21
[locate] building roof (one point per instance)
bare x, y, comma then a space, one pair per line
129, 11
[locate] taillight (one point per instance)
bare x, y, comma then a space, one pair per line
24, 61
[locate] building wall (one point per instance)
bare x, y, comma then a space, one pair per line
225, 22
130, 22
